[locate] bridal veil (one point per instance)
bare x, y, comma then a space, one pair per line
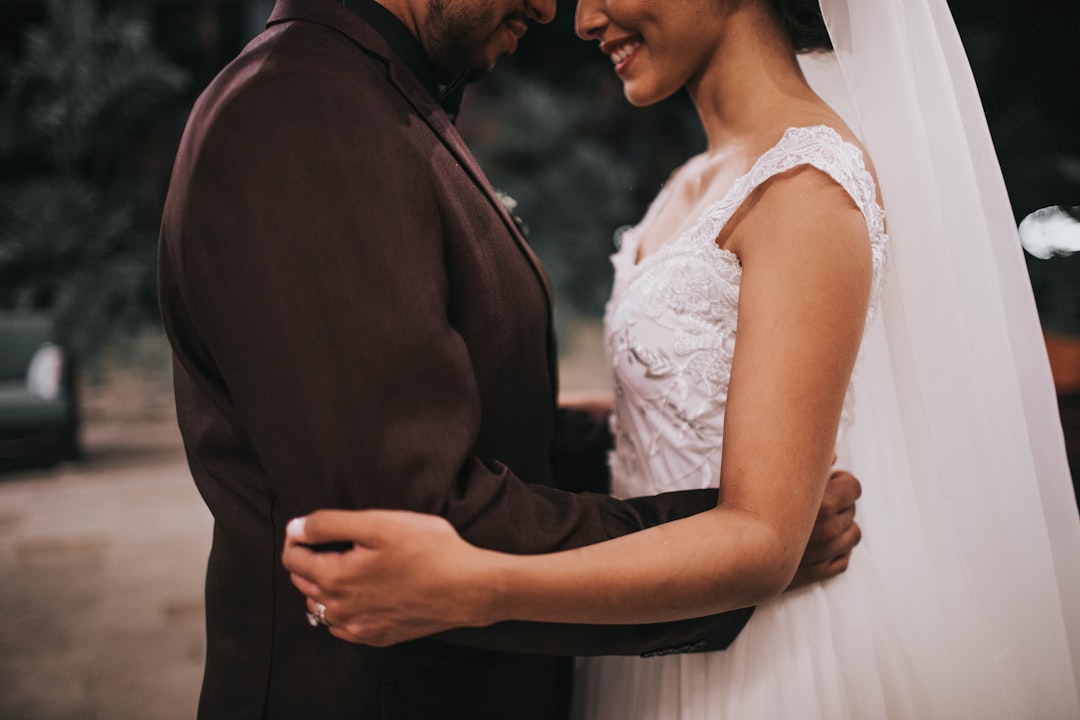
957, 438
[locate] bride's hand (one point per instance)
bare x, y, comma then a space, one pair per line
401, 575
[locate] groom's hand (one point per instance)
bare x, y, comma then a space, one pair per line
835, 532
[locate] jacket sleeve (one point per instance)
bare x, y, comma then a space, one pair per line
580, 451
316, 280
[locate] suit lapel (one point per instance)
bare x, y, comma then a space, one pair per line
343, 20
440, 123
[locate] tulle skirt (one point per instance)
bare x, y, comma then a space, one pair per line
858, 647
820, 653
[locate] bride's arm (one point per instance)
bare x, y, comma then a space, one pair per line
803, 299
802, 305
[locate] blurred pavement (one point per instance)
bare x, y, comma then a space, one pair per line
102, 562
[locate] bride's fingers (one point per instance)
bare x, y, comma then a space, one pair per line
329, 617
326, 573
370, 528
342, 634
304, 563
326, 526
368, 635
317, 546
378, 628
306, 587
313, 609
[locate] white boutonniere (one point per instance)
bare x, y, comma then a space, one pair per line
510, 205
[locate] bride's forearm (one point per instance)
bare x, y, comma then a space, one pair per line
713, 562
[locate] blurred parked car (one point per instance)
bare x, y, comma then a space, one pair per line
39, 411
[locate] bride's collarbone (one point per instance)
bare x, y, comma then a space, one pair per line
691, 193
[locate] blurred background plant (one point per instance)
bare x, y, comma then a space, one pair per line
576, 172
78, 212
94, 93
552, 129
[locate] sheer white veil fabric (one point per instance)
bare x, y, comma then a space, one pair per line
956, 438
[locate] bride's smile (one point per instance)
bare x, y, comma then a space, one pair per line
655, 48
621, 52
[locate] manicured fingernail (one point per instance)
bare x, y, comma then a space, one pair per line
295, 528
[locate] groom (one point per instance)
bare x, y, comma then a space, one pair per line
356, 322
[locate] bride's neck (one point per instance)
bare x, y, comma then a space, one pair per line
751, 88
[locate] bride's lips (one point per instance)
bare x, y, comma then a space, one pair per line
622, 51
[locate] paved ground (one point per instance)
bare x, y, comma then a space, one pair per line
101, 565
102, 561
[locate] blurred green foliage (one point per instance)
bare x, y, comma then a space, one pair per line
90, 111
552, 129
78, 224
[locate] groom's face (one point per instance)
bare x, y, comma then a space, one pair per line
470, 35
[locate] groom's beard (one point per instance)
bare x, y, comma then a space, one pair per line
465, 40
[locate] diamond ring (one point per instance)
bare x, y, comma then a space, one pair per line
317, 618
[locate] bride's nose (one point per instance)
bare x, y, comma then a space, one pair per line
589, 19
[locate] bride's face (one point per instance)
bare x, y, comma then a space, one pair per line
656, 46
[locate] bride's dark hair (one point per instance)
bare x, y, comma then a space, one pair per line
802, 21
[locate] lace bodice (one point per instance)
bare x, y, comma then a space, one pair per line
670, 324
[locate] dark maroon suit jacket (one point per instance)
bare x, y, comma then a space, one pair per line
357, 323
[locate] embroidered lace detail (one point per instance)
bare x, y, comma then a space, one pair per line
671, 321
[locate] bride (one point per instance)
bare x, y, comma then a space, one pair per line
765, 290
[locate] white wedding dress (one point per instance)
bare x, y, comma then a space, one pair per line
670, 330
828, 652
963, 600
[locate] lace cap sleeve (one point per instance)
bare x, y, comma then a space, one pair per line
822, 147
